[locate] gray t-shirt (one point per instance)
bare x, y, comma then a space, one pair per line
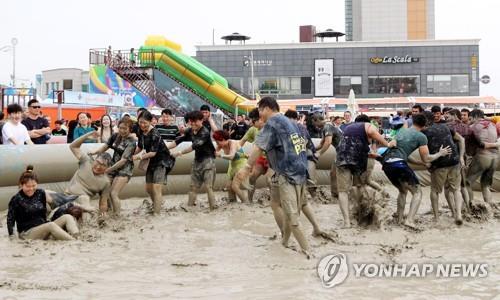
85, 182
285, 148
334, 132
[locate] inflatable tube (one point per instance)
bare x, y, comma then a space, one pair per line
176, 184
56, 163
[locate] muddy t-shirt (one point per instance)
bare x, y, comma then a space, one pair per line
26, 212
465, 131
201, 143
440, 135
152, 142
353, 149
123, 148
486, 132
285, 146
85, 182
334, 132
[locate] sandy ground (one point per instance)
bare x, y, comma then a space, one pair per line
235, 253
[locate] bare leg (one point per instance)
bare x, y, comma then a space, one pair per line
401, 204
118, 185
43, 231
449, 195
333, 181
68, 222
465, 196
84, 200
458, 207
344, 208
486, 193
157, 198
236, 188
256, 172
211, 197
192, 195
435, 202
307, 210
277, 210
416, 198
230, 193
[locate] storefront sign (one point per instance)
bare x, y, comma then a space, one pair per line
394, 59
258, 62
323, 78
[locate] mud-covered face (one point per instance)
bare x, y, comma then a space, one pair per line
99, 166
222, 143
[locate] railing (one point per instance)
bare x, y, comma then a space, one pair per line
122, 58
131, 66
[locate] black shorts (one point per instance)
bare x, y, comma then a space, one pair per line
399, 172
157, 174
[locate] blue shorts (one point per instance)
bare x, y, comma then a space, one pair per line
399, 172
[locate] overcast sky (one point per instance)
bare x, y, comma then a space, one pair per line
58, 33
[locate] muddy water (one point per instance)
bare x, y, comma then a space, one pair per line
234, 254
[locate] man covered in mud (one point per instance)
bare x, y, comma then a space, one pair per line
484, 162
90, 179
445, 171
394, 164
330, 136
285, 147
352, 159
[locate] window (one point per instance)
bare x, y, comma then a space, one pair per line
305, 85
68, 84
268, 85
46, 88
289, 85
447, 84
57, 85
343, 84
85, 88
393, 84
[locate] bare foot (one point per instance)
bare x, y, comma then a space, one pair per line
307, 253
347, 225
320, 233
410, 224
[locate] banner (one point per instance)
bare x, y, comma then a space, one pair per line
71, 97
323, 78
105, 81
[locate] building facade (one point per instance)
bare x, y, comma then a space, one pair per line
389, 20
371, 69
69, 79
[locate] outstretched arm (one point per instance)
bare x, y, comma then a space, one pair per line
76, 144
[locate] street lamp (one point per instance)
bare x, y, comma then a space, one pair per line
250, 60
12, 47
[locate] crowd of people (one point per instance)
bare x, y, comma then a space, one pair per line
457, 147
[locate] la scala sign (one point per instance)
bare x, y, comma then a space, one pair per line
407, 59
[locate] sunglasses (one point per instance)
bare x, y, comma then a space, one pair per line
35, 107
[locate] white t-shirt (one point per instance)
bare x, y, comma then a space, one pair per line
18, 132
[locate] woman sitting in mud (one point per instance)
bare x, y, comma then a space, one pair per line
28, 210
232, 151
